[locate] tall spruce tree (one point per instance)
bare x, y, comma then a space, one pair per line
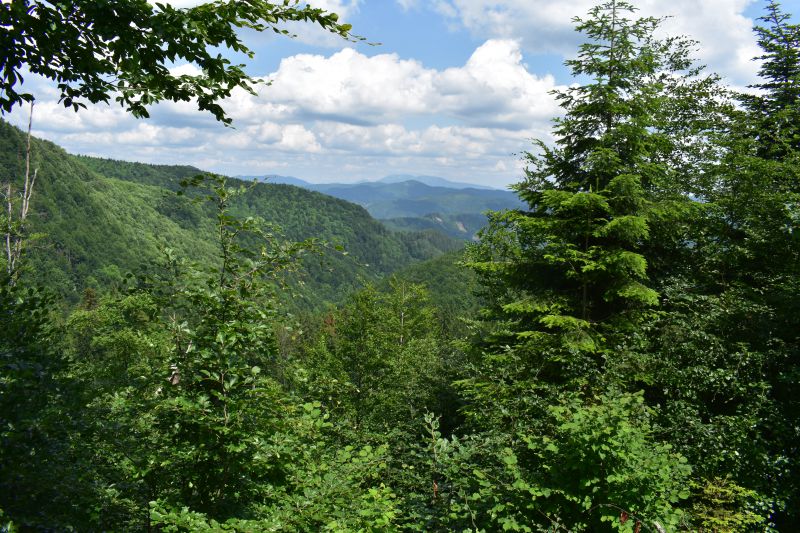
569, 282
568, 277
774, 109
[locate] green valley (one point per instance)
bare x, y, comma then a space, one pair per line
100, 219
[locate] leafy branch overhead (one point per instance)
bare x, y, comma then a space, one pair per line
96, 50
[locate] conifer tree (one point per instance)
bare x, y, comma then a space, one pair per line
570, 285
569, 276
774, 109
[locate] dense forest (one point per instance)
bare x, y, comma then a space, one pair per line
105, 218
621, 353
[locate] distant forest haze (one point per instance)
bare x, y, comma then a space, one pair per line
613, 346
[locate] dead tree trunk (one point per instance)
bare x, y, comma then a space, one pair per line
17, 208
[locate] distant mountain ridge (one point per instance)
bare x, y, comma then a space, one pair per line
280, 180
431, 181
412, 203
415, 199
434, 181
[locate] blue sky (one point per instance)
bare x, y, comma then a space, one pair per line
457, 88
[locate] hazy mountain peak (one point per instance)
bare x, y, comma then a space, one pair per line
432, 181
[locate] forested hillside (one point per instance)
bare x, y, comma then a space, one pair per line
98, 220
463, 226
621, 352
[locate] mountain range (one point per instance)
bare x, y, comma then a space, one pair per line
407, 202
432, 181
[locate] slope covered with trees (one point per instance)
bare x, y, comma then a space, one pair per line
100, 219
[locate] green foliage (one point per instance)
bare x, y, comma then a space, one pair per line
453, 289
735, 308
29, 398
99, 50
634, 368
324, 490
723, 506
378, 362
249, 458
102, 219
219, 408
598, 466
602, 465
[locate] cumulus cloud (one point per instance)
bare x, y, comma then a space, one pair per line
349, 83
343, 8
496, 89
347, 115
380, 114
493, 89
545, 26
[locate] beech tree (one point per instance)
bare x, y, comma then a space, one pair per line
96, 51
746, 281
378, 361
101, 50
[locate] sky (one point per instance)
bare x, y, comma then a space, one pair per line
455, 88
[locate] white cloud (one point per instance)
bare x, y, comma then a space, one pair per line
351, 84
343, 8
394, 140
494, 89
295, 137
185, 70
545, 26
378, 115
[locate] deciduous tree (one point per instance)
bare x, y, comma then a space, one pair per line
97, 51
